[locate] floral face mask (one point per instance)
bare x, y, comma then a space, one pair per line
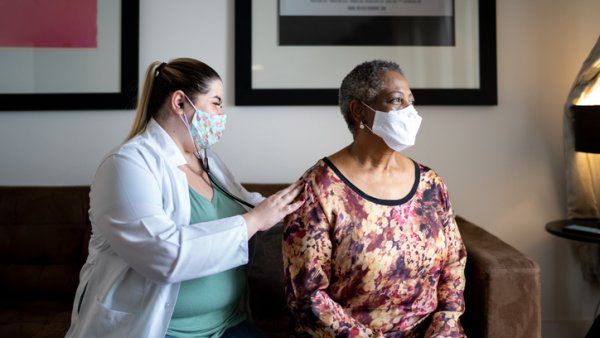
205, 129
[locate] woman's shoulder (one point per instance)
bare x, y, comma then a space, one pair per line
137, 152
317, 173
431, 184
427, 174
154, 144
133, 148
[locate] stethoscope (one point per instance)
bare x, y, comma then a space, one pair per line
205, 166
214, 182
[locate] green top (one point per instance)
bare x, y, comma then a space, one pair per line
208, 306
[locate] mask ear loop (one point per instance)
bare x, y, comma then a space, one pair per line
364, 125
204, 164
189, 129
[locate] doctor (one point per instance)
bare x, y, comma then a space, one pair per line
169, 233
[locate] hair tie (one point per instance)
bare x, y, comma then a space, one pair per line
160, 68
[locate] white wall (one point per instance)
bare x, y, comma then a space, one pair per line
503, 164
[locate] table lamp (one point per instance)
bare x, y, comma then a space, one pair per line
585, 112
586, 130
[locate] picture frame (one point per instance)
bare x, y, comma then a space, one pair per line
248, 94
126, 77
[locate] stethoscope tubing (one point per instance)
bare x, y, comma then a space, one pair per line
214, 182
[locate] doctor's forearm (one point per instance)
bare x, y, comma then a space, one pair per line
251, 224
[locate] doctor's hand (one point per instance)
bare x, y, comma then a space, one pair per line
273, 209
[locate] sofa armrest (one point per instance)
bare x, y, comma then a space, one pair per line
503, 287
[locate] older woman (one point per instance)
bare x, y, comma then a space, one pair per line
375, 250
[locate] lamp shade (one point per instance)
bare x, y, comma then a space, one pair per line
586, 128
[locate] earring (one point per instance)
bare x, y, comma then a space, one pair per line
362, 126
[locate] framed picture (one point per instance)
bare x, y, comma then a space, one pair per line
296, 52
66, 55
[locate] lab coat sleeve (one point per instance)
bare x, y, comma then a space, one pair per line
126, 208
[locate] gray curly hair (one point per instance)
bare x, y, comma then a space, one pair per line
363, 83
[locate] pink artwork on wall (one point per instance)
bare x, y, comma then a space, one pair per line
49, 23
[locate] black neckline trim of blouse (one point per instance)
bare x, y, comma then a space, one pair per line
368, 197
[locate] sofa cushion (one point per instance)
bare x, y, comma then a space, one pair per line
43, 240
40, 318
502, 283
265, 275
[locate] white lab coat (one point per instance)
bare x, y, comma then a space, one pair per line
142, 245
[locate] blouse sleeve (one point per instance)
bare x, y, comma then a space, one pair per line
451, 305
307, 263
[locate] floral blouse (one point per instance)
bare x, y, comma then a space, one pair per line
358, 266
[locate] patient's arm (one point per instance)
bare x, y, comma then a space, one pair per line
451, 305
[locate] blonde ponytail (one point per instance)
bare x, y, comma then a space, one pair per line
188, 75
142, 114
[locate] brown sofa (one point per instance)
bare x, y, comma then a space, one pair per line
44, 232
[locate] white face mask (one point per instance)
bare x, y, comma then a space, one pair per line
397, 128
